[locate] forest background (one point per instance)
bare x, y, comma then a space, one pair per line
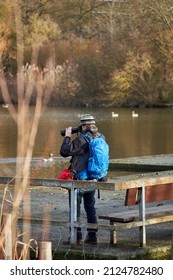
102, 52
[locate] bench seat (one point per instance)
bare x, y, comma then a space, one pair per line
161, 193
132, 215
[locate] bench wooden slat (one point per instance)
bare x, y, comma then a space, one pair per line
131, 197
131, 215
152, 193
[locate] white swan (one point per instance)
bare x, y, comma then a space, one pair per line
50, 158
5, 105
134, 115
114, 115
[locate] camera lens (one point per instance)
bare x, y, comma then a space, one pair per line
73, 130
63, 132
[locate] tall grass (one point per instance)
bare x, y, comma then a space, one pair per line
30, 80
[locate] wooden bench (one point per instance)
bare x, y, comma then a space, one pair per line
162, 194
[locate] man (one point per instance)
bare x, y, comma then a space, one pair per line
78, 149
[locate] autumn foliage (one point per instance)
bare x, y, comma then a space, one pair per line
105, 52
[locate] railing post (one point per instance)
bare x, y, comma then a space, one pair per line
73, 214
142, 229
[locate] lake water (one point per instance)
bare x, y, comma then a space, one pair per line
151, 133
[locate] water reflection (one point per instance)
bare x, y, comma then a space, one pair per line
149, 134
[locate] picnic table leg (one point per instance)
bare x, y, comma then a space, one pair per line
113, 234
142, 229
73, 215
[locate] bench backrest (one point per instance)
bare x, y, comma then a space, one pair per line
152, 193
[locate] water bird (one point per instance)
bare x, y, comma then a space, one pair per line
5, 105
50, 158
134, 115
114, 115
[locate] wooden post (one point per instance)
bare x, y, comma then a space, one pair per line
8, 237
45, 250
26, 226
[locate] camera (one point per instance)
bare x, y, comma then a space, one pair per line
73, 130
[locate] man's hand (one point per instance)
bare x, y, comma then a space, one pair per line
68, 131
